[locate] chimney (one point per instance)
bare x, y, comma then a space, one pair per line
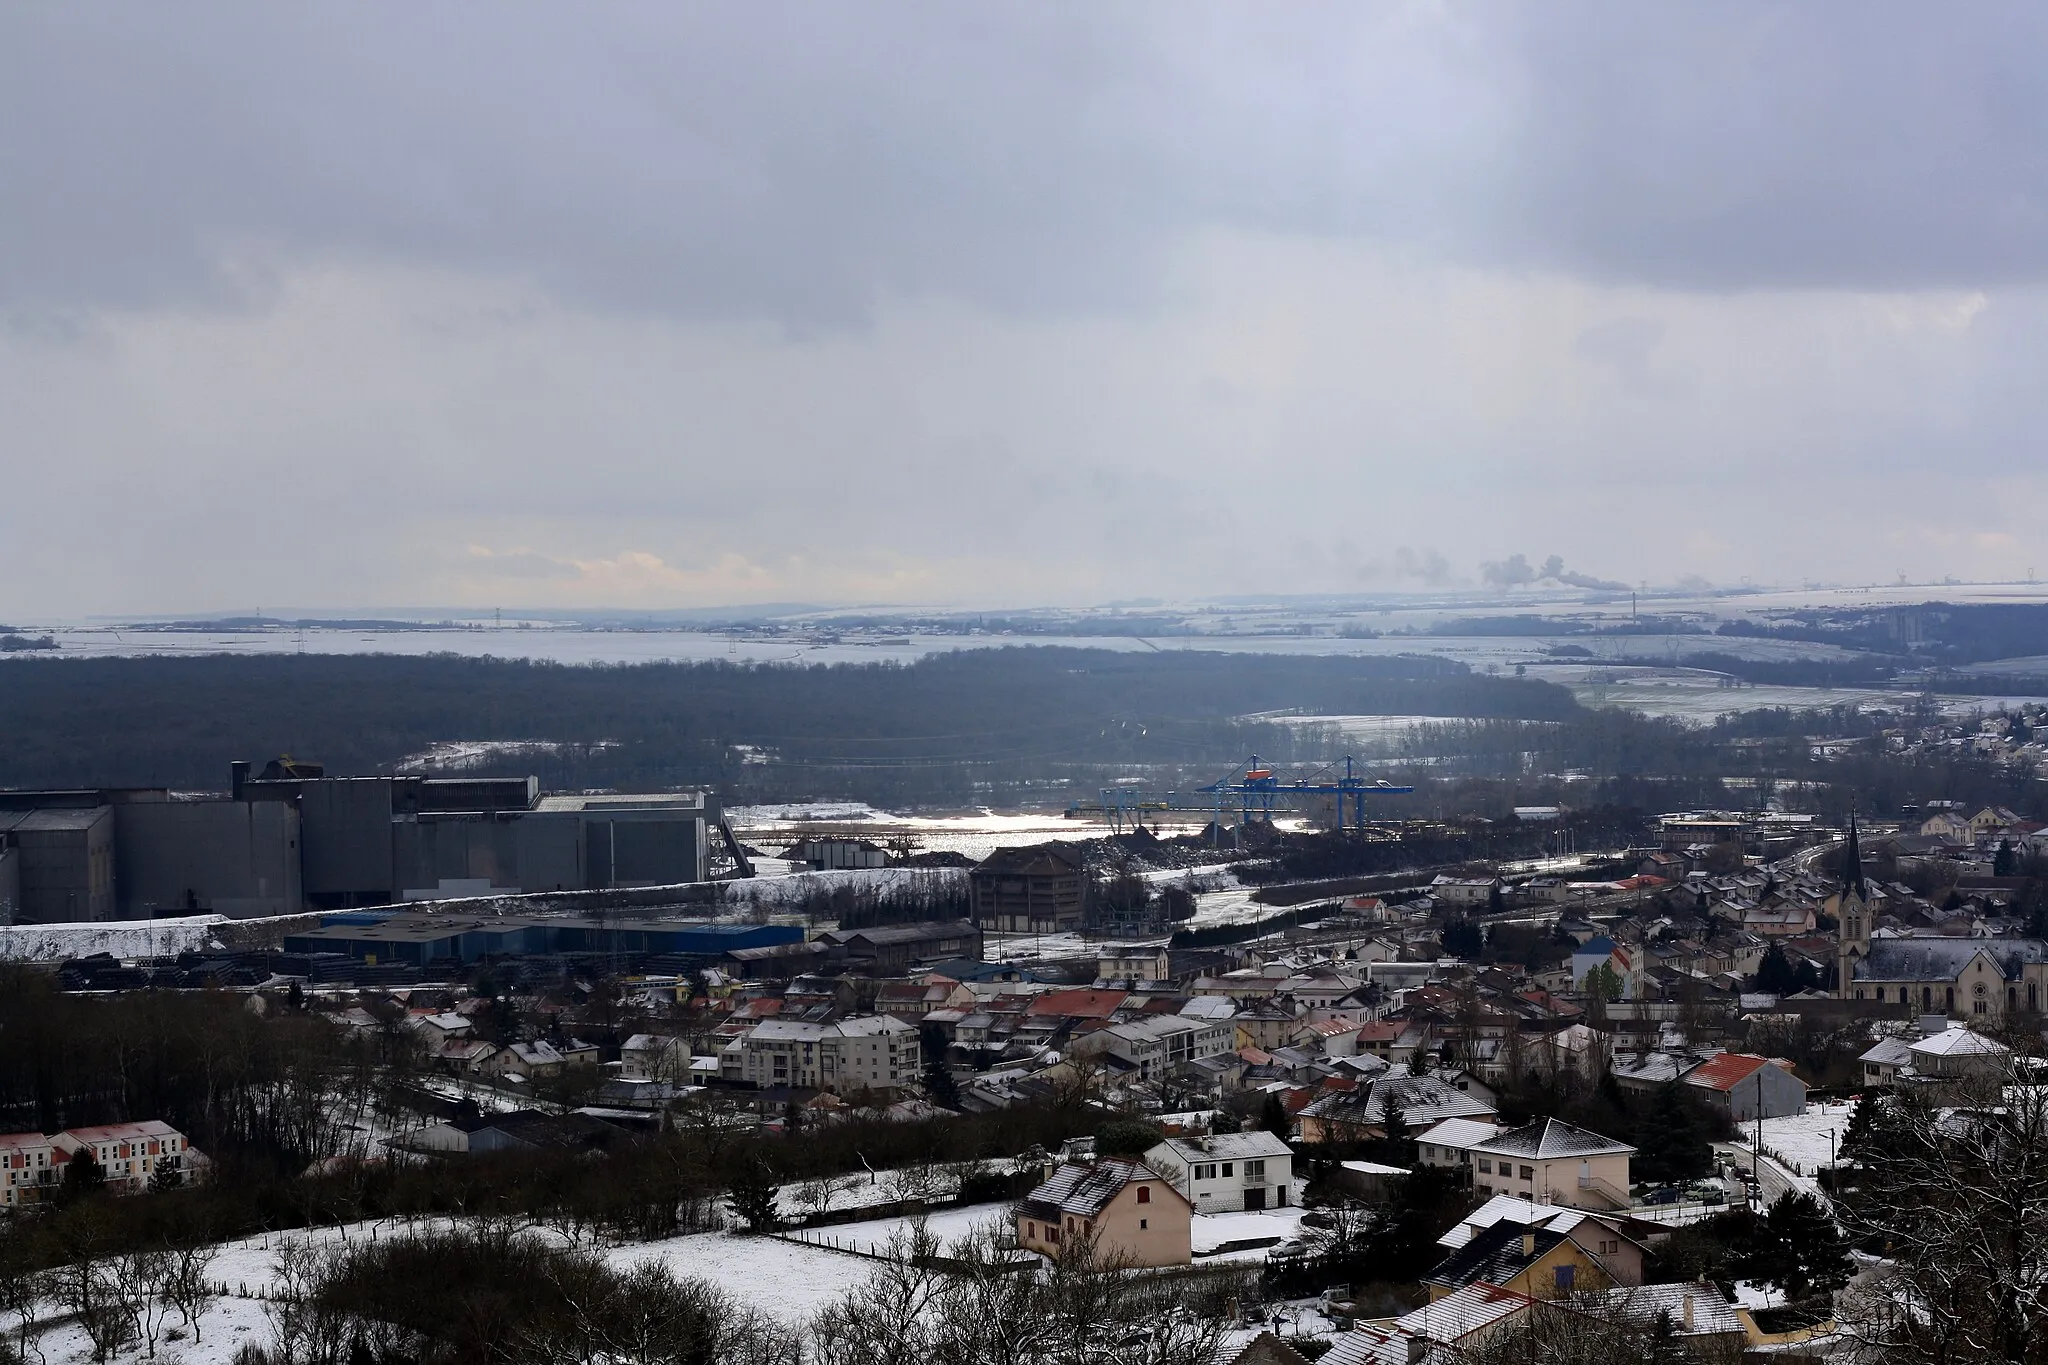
238, 774
1528, 1244
1418, 1350
1688, 1310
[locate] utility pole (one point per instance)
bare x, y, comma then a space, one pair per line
1756, 1149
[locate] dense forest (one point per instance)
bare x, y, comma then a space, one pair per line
977, 725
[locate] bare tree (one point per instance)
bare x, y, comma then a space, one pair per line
1954, 1188
144, 1277
88, 1286
1596, 1332
21, 1292
815, 1196
188, 1289
972, 1306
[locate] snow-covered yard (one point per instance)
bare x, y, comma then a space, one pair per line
876, 1234
1802, 1140
1213, 1230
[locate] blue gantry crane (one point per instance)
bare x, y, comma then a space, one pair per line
1255, 789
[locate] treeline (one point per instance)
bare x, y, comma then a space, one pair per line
1938, 632
642, 1189
950, 728
246, 1088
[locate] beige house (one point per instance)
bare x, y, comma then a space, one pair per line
1552, 1162
1130, 1212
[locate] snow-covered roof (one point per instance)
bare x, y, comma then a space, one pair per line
1889, 1052
1548, 1138
1524, 1211
1085, 1190
1459, 1133
1710, 1314
1249, 1146
1959, 1042
1457, 1315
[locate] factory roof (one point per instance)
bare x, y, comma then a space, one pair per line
54, 820
622, 801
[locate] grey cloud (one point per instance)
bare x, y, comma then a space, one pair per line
1426, 564
797, 161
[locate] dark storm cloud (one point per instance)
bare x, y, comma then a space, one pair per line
799, 161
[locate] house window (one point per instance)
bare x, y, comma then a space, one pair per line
1528, 1173
1144, 1194
1565, 1275
1144, 1223
1485, 1166
1226, 1168
1254, 1170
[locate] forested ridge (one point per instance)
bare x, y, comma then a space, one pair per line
947, 727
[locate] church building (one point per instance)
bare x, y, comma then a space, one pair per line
1963, 977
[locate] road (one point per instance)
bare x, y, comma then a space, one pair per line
1771, 1177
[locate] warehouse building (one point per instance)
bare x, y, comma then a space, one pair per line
419, 939
294, 839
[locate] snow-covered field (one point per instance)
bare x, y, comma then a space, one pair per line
1212, 1230
772, 1274
122, 938
1034, 947
778, 892
877, 1234
1803, 1139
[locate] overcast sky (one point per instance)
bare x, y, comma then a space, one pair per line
664, 305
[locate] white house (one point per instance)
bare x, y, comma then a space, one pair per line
1465, 890
28, 1160
129, 1154
1227, 1173
652, 1057
1157, 1043
871, 1052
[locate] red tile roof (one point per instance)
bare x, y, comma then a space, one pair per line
1726, 1071
1078, 1004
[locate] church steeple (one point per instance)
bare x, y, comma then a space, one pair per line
1852, 865
1851, 909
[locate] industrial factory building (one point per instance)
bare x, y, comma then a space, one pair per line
420, 939
292, 839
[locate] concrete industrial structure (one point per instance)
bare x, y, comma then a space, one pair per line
1039, 890
419, 939
294, 839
